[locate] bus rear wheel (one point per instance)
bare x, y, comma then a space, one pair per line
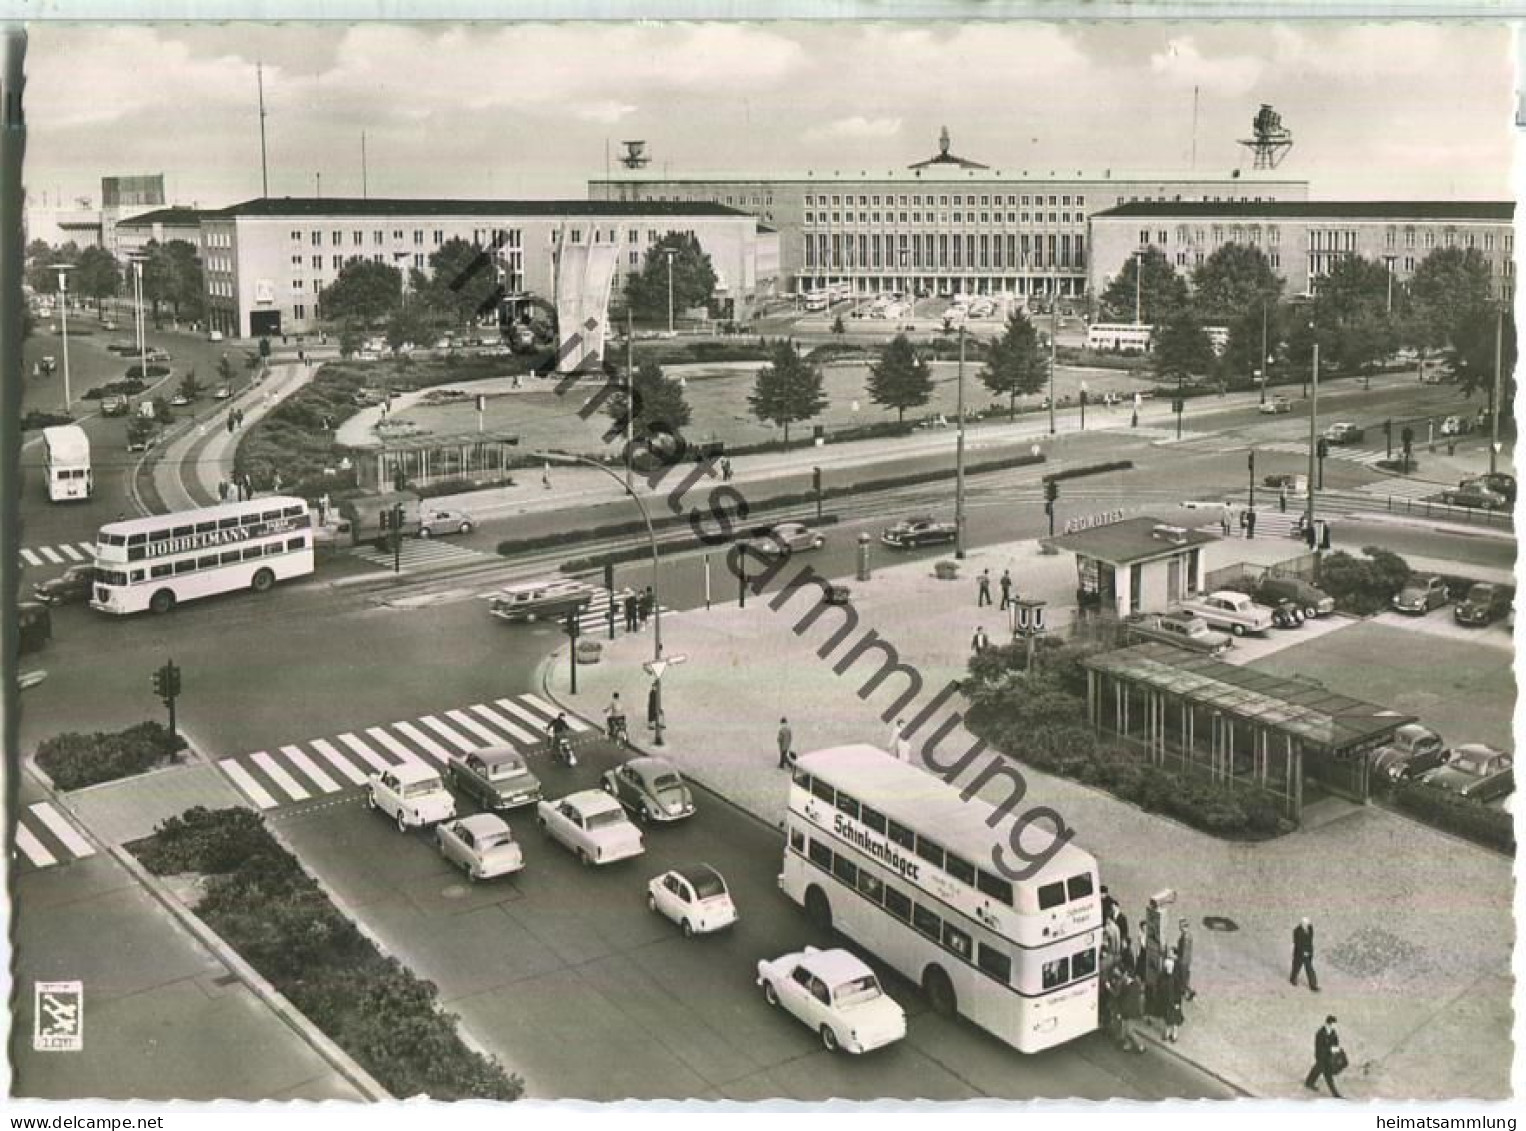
264, 581
817, 909
940, 991
162, 601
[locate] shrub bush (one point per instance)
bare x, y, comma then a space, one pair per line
1366, 585
128, 388
135, 372
1471, 819
75, 760
37, 419
266, 907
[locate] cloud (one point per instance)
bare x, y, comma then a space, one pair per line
605, 113
1182, 63
855, 127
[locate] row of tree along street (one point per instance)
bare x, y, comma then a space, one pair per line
171, 275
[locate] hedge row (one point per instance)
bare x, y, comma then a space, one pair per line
1491, 827
76, 760
130, 387
259, 900
39, 419
642, 550
1090, 469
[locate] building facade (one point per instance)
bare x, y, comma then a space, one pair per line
160, 226
266, 261
1302, 240
943, 225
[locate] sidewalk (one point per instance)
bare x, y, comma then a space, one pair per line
1414, 927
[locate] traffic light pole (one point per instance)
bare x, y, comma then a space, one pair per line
1494, 401
959, 457
572, 646
1251, 461
1313, 437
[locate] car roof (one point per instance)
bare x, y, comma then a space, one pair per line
697, 873
835, 966
589, 801
1416, 730
650, 767
1477, 748
495, 755
484, 824
555, 584
411, 772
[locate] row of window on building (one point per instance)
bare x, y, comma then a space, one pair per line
959, 201
983, 218
918, 251
1327, 239
481, 237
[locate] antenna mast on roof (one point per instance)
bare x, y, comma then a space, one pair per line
635, 155
259, 76
1272, 140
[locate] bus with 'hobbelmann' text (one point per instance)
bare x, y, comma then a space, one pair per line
67, 451
157, 562
898, 862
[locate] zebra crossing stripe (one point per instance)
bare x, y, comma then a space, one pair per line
279, 775
32, 848
451, 736
300, 760
338, 761
466, 722
537, 724
62, 829
540, 704
245, 781
375, 760
72, 552
419, 738
503, 724
31, 558
51, 554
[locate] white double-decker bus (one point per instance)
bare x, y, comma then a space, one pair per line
68, 462
159, 561
898, 862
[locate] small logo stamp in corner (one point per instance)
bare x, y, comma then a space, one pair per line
58, 1024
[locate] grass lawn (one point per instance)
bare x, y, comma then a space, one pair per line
1465, 692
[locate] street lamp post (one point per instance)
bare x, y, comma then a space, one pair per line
959, 459
1138, 275
1494, 401
63, 270
1266, 373
138, 323
1313, 438
669, 252
1054, 326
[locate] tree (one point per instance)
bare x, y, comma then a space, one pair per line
646, 291
1161, 290
158, 277
1351, 314
660, 403
1243, 354
1232, 283
364, 291
42, 273
96, 276
1470, 357
1015, 365
463, 281
226, 370
899, 379
350, 340
1182, 348
787, 390
190, 387
188, 293
407, 326
837, 327
1447, 290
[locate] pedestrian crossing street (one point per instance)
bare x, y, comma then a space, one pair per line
324, 767
424, 553
1369, 456
1397, 488
63, 554
44, 837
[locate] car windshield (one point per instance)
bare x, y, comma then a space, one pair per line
1480, 594
495, 840
663, 782
1475, 765
605, 819
512, 768
857, 990
422, 788
707, 885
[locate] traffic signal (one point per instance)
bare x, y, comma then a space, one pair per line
159, 683
172, 679
1388, 430
1324, 447
573, 624
816, 480
1408, 435
1250, 462
386, 519
1177, 405
1051, 490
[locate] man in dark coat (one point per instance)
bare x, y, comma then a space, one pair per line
980, 642
631, 623
1006, 588
1303, 954
645, 605
1327, 1042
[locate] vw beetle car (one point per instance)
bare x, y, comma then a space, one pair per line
651, 789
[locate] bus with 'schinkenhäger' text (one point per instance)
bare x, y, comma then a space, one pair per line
157, 562
901, 864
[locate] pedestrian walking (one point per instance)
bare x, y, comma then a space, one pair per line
1250, 523
232, 423
238, 415
1123, 927
545, 476
1141, 961
222, 490
980, 642
1329, 1058
302, 357
1282, 498
1112, 944
651, 706
1006, 588
1130, 1012
786, 741
900, 745
1303, 954
646, 605
1171, 997
1226, 517
983, 588
1184, 960
1109, 905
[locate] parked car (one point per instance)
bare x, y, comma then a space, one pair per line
495, 777
695, 897
1496, 481
1343, 432
1183, 629
1285, 614
214, 335
71, 587
179, 400
223, 393
1456, 426
1280, 480
1484, 604
1311, 601
1413, 750
412, 794
918, 531
482, 845
651, 788
785, 539
1474, 494
114, 406
1474, 770
833, 993
1274, 406
533, 600
141, 434
158, 355
1421, 594
1227, 609
592, 825
444, 521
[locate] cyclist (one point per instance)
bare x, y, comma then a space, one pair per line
556, 738
615, 719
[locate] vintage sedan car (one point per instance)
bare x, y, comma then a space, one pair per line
785, 539
695, 897
650, 788
1497, 481
1343, 432
1413, 750
1474, 770
1421, 594
179, 400
1309, 600
1227, 609
833, 993
1456, 426
1182, 629
592, 825
482, 845
528, 601
71, 587
1484, 604
1474, 494
918, 531
1275, 406
158, 355
443, 521
114, 405
412, 794
223, 393
495, 777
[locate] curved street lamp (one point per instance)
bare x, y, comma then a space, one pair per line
63, 270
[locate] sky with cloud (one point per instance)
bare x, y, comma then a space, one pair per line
476, 110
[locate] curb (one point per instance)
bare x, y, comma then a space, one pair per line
293, 1018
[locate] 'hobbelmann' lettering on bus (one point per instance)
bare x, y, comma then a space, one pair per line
217, 537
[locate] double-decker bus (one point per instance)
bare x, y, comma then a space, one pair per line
1120, 337
68, 462
898, 862
157, 562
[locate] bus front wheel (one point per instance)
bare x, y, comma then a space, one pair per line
162, 601
817, 909
264, 581
940, 991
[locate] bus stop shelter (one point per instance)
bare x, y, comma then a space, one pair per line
437, 457
1238, 726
